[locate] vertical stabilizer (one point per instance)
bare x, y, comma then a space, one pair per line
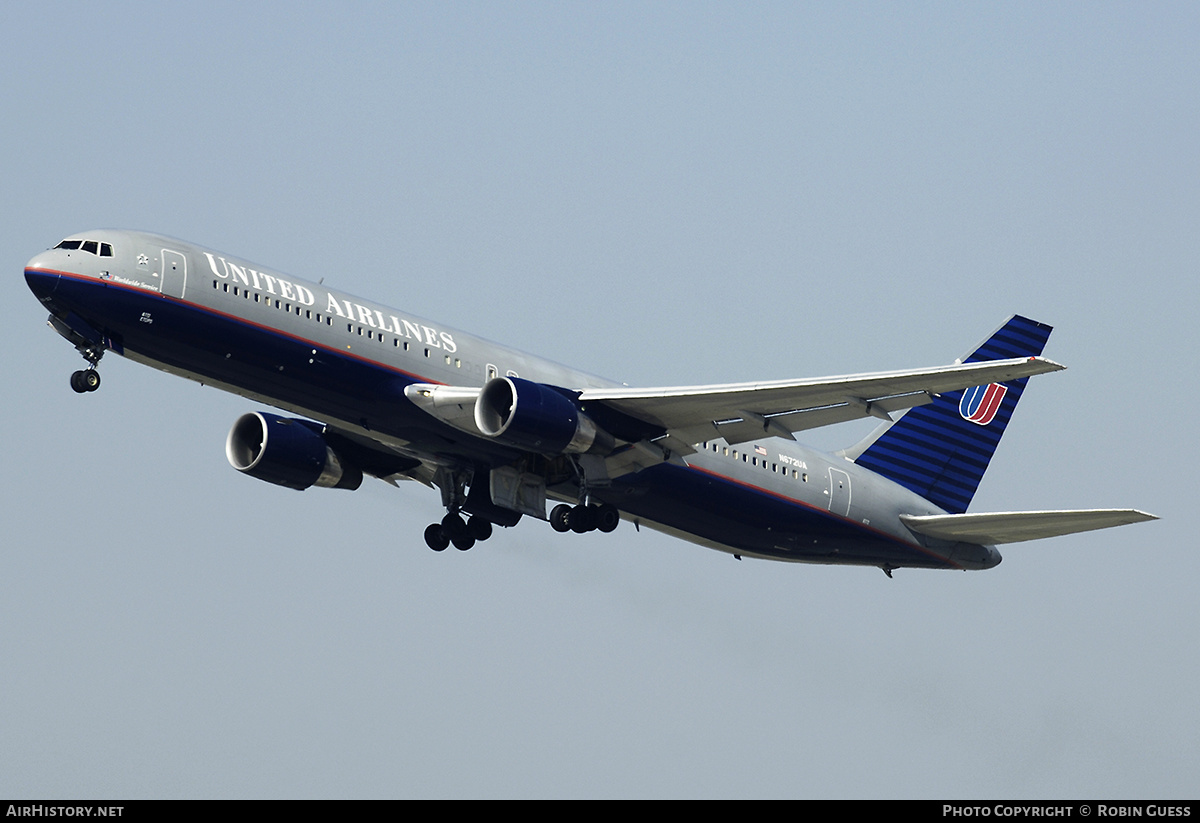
941, 450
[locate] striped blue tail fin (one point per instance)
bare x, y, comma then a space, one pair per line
941, 450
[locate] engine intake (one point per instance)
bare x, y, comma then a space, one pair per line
287, 452
537, 417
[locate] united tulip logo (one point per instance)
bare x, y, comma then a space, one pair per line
980, 404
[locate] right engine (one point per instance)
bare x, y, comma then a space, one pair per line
287, 452
537, 417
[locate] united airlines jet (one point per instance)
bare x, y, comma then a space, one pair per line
370, 390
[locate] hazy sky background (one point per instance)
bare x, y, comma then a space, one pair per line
659, 193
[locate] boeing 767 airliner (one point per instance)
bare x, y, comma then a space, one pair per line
372, 390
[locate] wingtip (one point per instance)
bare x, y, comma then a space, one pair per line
1051, 365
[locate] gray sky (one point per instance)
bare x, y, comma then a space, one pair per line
659, 193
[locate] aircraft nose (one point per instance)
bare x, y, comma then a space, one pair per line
993, 558
41, 277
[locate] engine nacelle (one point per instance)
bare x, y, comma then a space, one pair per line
536, 417
287, 452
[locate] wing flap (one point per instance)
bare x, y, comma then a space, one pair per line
990, 528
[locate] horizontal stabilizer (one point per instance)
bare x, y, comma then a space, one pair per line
988, 528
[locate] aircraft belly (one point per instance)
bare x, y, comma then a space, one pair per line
724, 514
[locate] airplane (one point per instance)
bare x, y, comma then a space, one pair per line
368, 390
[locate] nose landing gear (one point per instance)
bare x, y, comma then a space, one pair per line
90, 345
87, 380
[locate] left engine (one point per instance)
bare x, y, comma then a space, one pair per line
287, 452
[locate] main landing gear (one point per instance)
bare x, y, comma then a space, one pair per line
581, 518
462, 533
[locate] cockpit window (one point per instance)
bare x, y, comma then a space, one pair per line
90, 246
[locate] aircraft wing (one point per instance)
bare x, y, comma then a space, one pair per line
739, 412
988, 528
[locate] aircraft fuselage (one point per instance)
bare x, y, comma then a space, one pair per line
346, 361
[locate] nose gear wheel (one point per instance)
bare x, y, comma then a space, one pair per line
85, 380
